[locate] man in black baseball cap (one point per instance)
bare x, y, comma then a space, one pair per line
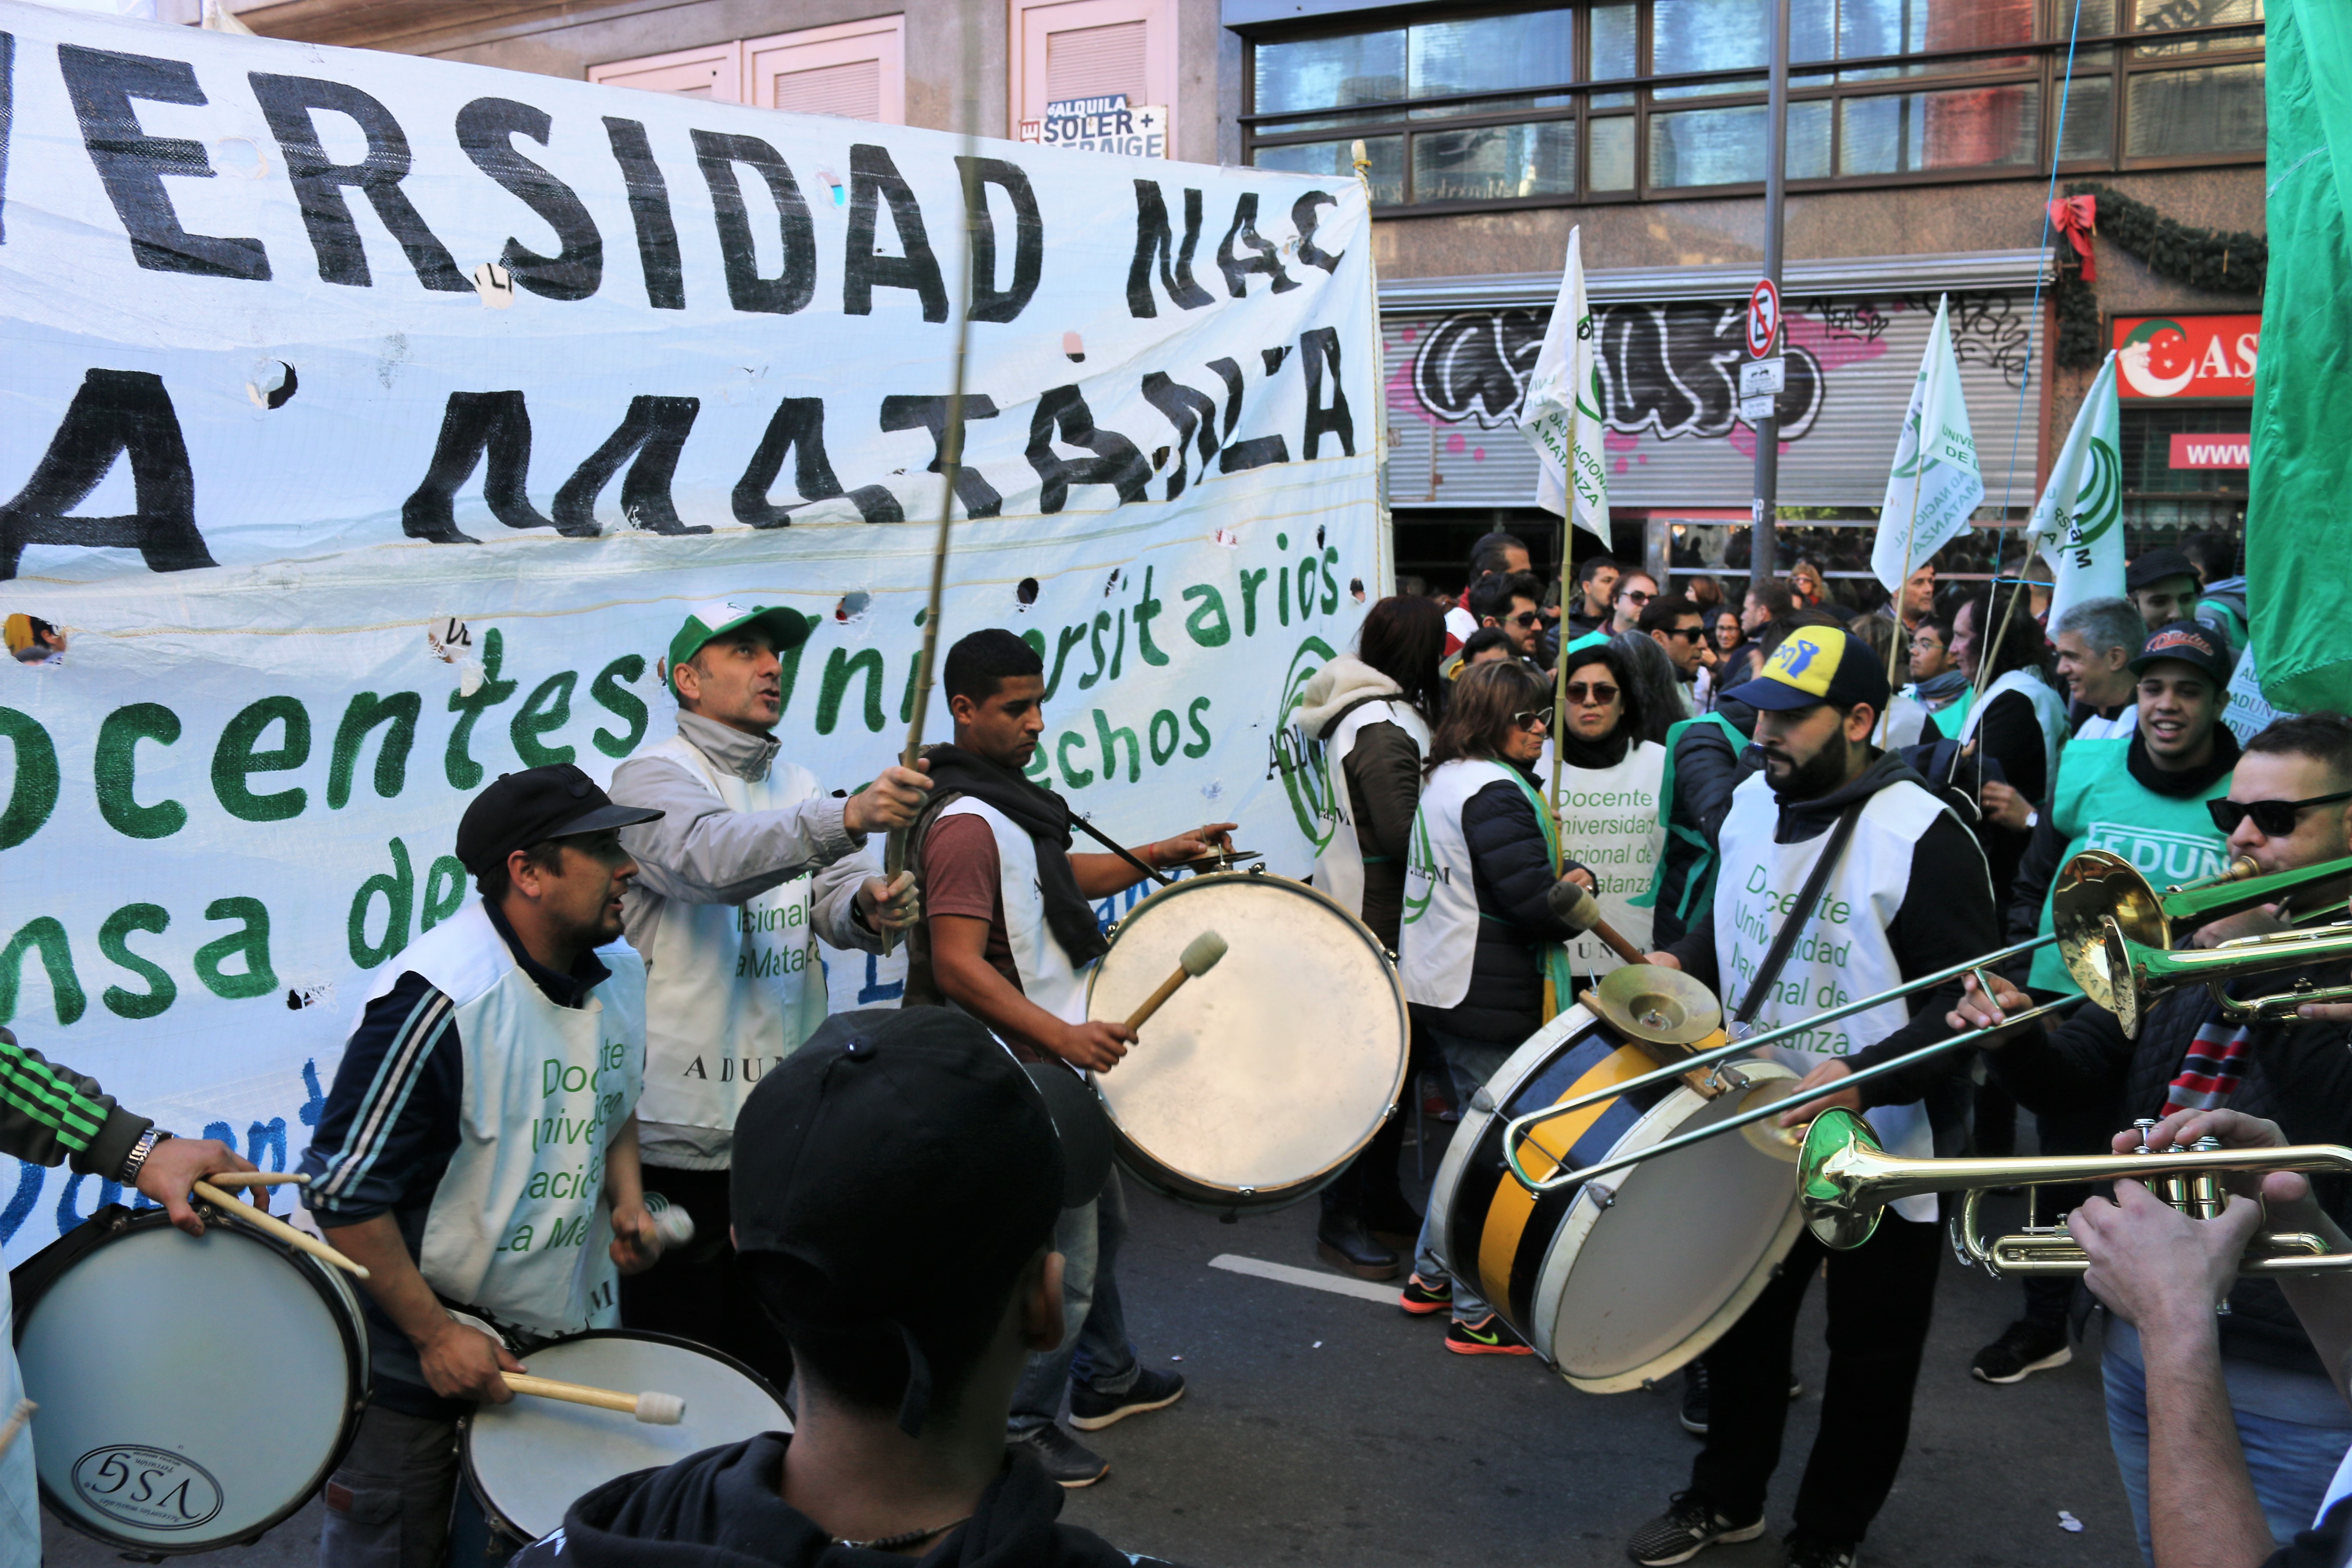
896, 1185
1843, 876
501, 1016
2163, 586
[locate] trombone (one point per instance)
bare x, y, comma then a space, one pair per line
2095, 890
1845, 1179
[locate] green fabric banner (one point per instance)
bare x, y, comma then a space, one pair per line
2303, 389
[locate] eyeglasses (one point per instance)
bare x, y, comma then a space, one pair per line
1688, 634
2272, 818
1525, 618
1598, 692
1535, 719
1638, 597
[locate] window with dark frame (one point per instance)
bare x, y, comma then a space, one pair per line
1464, 108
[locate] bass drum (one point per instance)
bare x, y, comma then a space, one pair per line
527, 1459
1257, 1082
193, 1391
1621, 1279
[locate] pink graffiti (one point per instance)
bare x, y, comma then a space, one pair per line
1743, 440
1622, 445
1835, 350
1454, 443
1402, 398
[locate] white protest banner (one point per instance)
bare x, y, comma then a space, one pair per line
373, 420
1935, 484
1561, 417
2075, 523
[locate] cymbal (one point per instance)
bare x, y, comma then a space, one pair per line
1224, 860
1650, 1002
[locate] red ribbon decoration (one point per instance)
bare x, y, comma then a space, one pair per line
2077, 218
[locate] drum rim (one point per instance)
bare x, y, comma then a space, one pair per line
490, 1510
1564, 1027
1218, 1196
1577, 1225
344, 1308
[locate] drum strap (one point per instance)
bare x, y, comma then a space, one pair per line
1784, 941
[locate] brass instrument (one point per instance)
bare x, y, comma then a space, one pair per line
2115, 933
2096, 890
1844, 1181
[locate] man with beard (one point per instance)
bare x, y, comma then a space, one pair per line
1906, 893
1009, 935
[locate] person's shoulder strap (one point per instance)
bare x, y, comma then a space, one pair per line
1784, 941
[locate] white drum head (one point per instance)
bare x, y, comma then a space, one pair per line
529, 1460
1635, 1290
1262, 1077
193, 1391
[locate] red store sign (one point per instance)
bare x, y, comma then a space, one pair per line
2185, 356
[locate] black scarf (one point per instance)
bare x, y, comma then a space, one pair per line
1045, 816
1594, 755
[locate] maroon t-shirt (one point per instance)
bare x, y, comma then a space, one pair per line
961, 876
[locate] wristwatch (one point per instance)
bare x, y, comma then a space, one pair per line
137, 1160
2032, 820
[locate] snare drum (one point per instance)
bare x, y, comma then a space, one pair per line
1623, 1278
1257, 1082
527, 1460
193, 1391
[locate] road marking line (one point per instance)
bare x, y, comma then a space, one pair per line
1313, 1279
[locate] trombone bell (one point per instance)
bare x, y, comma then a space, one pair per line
1845, 1179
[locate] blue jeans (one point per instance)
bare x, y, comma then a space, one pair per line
1469, 1063
2293, 1426
1094, 1348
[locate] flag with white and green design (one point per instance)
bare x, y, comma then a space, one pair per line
1935, 485
2077, 525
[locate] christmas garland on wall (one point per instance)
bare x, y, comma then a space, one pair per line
2219, 261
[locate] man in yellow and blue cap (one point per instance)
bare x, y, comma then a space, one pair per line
1841, 877
750, 863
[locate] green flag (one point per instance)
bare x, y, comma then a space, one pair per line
2303, 386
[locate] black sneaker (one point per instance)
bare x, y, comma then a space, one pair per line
1063, 1457
1688, 1527
1091, 1411
1488, 1336
1693, 1411
1813, 1552
1421, 1299
2024, 1348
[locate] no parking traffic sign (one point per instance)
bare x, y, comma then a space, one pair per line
1763, 318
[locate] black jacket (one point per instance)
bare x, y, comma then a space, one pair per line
2039, 866
1707, 768
2010, 734
1512, 871
719, 1509
2299, 1076
1383, 771
1945, 917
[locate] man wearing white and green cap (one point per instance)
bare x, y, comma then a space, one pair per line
752, 862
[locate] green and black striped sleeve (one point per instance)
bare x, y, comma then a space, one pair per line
49, 1115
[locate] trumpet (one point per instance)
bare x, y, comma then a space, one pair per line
1845, 1179
2094, 889
2117, 935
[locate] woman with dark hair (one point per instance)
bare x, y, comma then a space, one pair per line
1613, 772
2018, 720
1368, 716
1652, 686
1724, 635
1480, 939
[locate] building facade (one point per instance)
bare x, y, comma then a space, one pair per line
1921, 138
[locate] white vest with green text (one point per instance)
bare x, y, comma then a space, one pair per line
1439, 937
518, 1226
1843, 953
1047, 976
731, 989
1340, 867
1609, 824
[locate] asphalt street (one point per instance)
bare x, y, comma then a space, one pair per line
1323, 1428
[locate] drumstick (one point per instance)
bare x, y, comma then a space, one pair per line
259, 1179
654, 1409
16, 1422
1576, 905
1200, 956
301, 1241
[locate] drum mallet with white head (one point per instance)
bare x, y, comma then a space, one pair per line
1200, 956
653, 1409
1575, 906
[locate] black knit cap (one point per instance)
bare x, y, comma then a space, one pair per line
910, 1168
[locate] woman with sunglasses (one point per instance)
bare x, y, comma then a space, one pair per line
1479, 937
1612, 771
1369, 716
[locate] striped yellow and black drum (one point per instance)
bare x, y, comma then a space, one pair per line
1623, 1278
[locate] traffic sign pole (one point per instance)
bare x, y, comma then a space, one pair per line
1765, 510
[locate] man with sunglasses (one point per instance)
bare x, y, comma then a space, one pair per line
2288, 807
1676, 625
1512, 602
1634, 592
